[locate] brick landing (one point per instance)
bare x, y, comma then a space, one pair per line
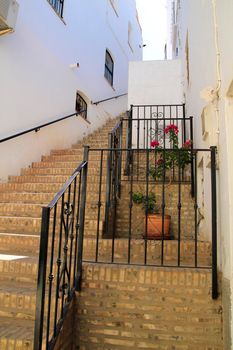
147, 308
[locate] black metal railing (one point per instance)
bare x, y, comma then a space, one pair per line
58, 6
60, 260
108, 99
113, 175
149, 123
133, 237
148, 127
38, 127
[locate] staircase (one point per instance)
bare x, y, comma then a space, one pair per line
21, 200
119, 306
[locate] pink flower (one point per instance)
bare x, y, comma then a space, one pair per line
160, 161
154, 144
173, 128
187, 144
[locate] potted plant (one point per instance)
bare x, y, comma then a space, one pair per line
157, 224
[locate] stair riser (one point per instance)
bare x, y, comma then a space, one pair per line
57, 171
32, 226
43, 187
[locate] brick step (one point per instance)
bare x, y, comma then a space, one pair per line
19, 271
137, 249
13, 243
77, 152
26, 197
93, 157
15, 335
17, 300
67, 164
91, 143
38, 179
9, 199
41, 187
148, 308
32, 225
35, 209
56, 171
30, 187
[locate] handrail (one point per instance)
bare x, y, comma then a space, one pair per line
108, 99
66, 185
160, 105
38, 127
63, 226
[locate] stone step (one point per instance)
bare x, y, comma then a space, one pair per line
16, 335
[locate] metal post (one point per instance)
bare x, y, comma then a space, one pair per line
41, 282
214, 223
82, 218
108, 185
184, 125
129, 141
192, 160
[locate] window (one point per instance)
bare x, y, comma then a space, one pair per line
81, 106
109, 65
58, 6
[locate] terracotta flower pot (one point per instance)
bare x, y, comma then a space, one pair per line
155, 226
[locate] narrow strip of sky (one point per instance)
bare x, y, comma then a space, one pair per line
153, 19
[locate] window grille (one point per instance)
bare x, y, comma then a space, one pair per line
81, 106
58, 6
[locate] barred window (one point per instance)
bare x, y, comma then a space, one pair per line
109, 65
58, 6
81, 106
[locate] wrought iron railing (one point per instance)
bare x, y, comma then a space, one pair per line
60, 260
147, 125
127, 225
109, 98
38, 127
113, 175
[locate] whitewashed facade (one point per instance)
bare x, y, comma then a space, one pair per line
48, 59
202, 36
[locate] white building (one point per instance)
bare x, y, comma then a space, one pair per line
59, 48
200, 35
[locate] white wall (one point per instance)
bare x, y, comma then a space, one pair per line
155, 82
37, 84
198, 24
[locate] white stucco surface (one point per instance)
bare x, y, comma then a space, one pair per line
155, 82
206, 25
38, 84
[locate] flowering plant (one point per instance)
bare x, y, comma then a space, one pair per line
166, 160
